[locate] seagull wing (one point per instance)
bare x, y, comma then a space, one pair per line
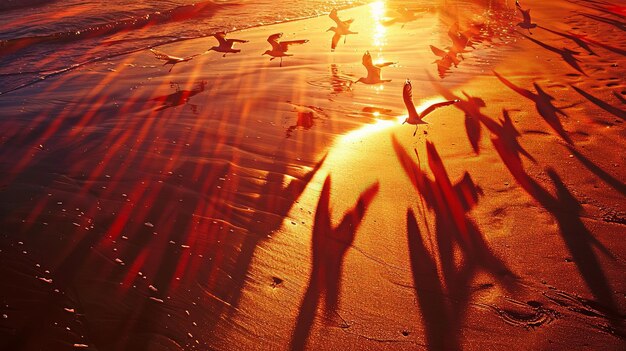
367, 60
273, 40
433, 107
336, 38
384, 64
333, 16
407, 96
523, 92
525, 14
284, 45
438, 51
221, 37
187, 58
163, 56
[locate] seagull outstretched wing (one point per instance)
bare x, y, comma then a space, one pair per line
433, 107
163, 56
273, 40
221, 37
284, 45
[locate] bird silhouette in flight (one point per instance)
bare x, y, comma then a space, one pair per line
342, 29
414, 116
373, 70
527, 21
226, 45
169, 59
279, 48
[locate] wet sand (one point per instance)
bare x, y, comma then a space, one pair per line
147, 210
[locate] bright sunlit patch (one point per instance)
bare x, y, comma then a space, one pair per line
378, 10
377, 126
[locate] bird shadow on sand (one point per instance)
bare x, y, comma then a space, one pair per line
543, 103
569, 56
576, 39
617, 24
567, 211
329, 247
180, 97
471, 106
615, 111
443, 296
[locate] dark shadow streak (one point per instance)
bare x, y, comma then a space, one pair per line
329, 246
471, 107
576, 39
618, 24
602, 174
617, 112
566, 54
543, 103
578, 240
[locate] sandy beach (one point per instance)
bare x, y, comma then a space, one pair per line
234, 204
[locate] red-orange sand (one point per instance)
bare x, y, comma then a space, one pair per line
236, 205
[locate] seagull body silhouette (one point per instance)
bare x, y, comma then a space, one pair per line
449, 56
171, 60
415, 117
343, 28
373, 70
527, 22
226, 45
279, 48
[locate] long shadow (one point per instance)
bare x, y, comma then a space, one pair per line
576, 39
566, 54
508, 134
617, 24
577, 238
471, 106
602, 174
429, 290
543, 103
329, 246
585, 38
617, 112
444, 305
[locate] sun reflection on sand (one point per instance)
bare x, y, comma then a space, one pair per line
379, 125
378, 10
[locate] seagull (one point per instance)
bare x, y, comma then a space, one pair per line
343, 28
450, 56
279, 48
226, 45
171, 60
527, 23
373, 71
414, 116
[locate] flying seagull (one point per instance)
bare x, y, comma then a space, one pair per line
414, 116
279, 48
171, 60
373, 71
343, 28
226, 45
527, 22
